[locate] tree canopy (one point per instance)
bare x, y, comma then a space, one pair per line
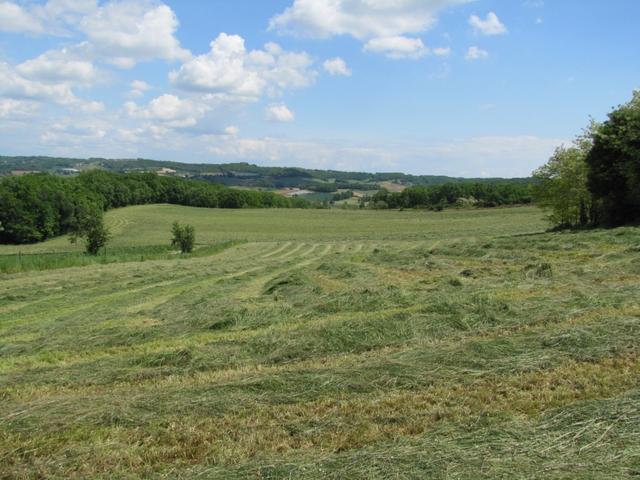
614, 165
184, 237
35, 207
449, 194
596, 181
561, 184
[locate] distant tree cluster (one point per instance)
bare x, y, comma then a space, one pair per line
347, 194
596, 181
321, 187
455, 194
36, 207
39, 206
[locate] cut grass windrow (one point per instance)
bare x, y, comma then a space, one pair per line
349, 346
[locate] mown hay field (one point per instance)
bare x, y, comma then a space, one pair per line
327, 344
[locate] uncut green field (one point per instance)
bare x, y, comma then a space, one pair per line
331, 344
151, 225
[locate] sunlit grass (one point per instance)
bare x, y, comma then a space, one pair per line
329, 348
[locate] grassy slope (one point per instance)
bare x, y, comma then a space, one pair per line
151, 225
332, 345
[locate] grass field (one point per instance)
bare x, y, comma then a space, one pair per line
329, 344
151, 225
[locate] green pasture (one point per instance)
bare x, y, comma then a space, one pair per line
151, 225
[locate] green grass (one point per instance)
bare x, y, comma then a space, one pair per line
19, 262
151, 225
332, 344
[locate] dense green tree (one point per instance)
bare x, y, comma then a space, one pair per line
562, 187
87, 223
184, 237
450, 194
96, 238
36, 207
614, 166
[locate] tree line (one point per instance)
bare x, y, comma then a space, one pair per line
36, 207
596, 180
438, 197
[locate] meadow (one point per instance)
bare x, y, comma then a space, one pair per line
315, 344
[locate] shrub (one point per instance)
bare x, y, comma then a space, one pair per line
87, 222
96, 238
184, 237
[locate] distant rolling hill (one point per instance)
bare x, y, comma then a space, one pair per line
238, 174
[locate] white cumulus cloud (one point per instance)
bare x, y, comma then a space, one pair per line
378, 23
362, 19
168, 110
232, 130
336, 66
279, 113
92, 106
397, 47
13, 85
442, 51
489, 26
15, 19
229, 69
128, 32
15, 109
476, 53
59, 66
138, 88
68, 133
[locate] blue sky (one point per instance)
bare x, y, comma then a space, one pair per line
456, 87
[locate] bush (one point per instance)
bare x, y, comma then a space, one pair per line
184, 237
86, 221
562, 185
96, 238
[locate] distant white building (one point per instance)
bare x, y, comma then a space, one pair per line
295, 192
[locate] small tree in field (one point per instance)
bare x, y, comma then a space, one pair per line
184, 237
96, 238
88, 223
561, 186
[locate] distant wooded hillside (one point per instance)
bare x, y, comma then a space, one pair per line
237, 174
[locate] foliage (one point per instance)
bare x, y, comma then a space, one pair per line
87, 222
321, 187
614, 166
240, 174
342, 195
96, 237
450, 194
561, 186
596, 181
184, 237
36, 207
